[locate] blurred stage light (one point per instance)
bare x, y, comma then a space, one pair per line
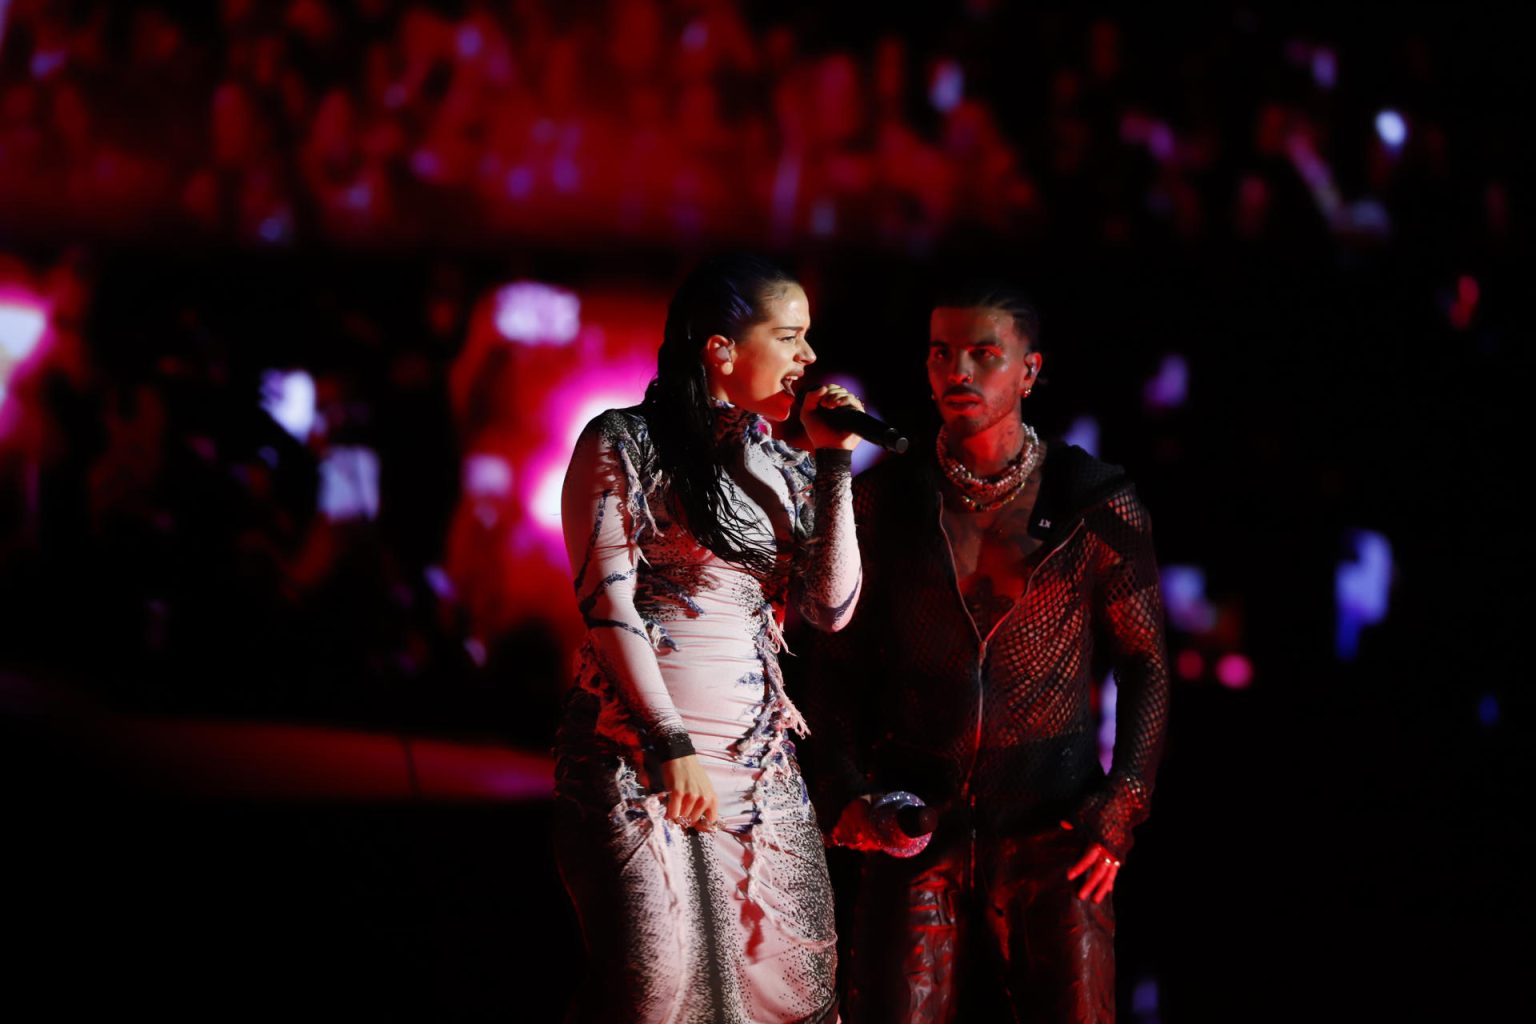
1325, 67
289, 398
441, 583
1109, 696
947, 88
1156, 135
349, 483
1361, 589
545, 504
22, 323
823, 218
519, 182
46, 62
486, 475
1369, 216
1170, 387
276, 228
1190, 665
1084, 432
1391, 128
531, 313
1464, 306
359, 196
1234, 671
468, 40
1488, 711
1144, 1001
1184, 597
1467, 290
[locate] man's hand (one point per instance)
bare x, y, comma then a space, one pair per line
1100, 868
855, 827
691, 796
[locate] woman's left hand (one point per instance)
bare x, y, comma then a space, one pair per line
828, 396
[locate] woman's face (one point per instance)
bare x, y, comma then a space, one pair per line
762, 368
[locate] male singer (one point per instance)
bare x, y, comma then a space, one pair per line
1004, 577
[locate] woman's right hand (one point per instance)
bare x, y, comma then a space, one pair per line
691, 796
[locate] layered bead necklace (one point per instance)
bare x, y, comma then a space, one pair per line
990, 493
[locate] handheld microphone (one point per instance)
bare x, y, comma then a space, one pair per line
901, 823
852, 421
917, 822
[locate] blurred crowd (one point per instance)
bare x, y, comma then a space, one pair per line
232, 485
168, 528
661, 121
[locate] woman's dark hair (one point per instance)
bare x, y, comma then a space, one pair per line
998, 295
723, 295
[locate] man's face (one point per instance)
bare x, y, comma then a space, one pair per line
978, 367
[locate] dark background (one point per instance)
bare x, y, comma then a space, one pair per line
339, 187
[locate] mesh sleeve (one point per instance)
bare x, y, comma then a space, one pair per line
1128, 615
827, 574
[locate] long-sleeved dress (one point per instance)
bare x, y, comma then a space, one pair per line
681, 656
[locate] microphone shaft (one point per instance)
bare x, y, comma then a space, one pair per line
852, 421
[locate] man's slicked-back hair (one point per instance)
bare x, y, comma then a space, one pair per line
1006, 298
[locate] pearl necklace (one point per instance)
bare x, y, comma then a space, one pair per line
990, 493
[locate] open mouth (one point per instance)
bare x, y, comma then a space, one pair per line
789, 383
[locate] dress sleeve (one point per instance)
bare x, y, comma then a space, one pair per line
604, 514
837, 704
827, 573
1128, 612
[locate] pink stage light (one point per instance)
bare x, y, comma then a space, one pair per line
1464, 306
531, 313
1169, 389
1234, 671
569, 407
23, 328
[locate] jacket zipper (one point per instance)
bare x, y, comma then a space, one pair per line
981, 659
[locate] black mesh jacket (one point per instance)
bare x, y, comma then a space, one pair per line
1000, 734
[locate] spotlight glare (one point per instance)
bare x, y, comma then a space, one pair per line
531, 313
1234, 671
1392, 129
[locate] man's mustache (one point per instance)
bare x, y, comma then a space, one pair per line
958, 391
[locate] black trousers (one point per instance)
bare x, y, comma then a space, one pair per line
938, 935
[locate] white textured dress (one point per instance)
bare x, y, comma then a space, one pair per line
682, 654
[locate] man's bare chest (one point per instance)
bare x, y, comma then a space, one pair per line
992, 555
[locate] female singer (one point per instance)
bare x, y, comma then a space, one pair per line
684, 832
